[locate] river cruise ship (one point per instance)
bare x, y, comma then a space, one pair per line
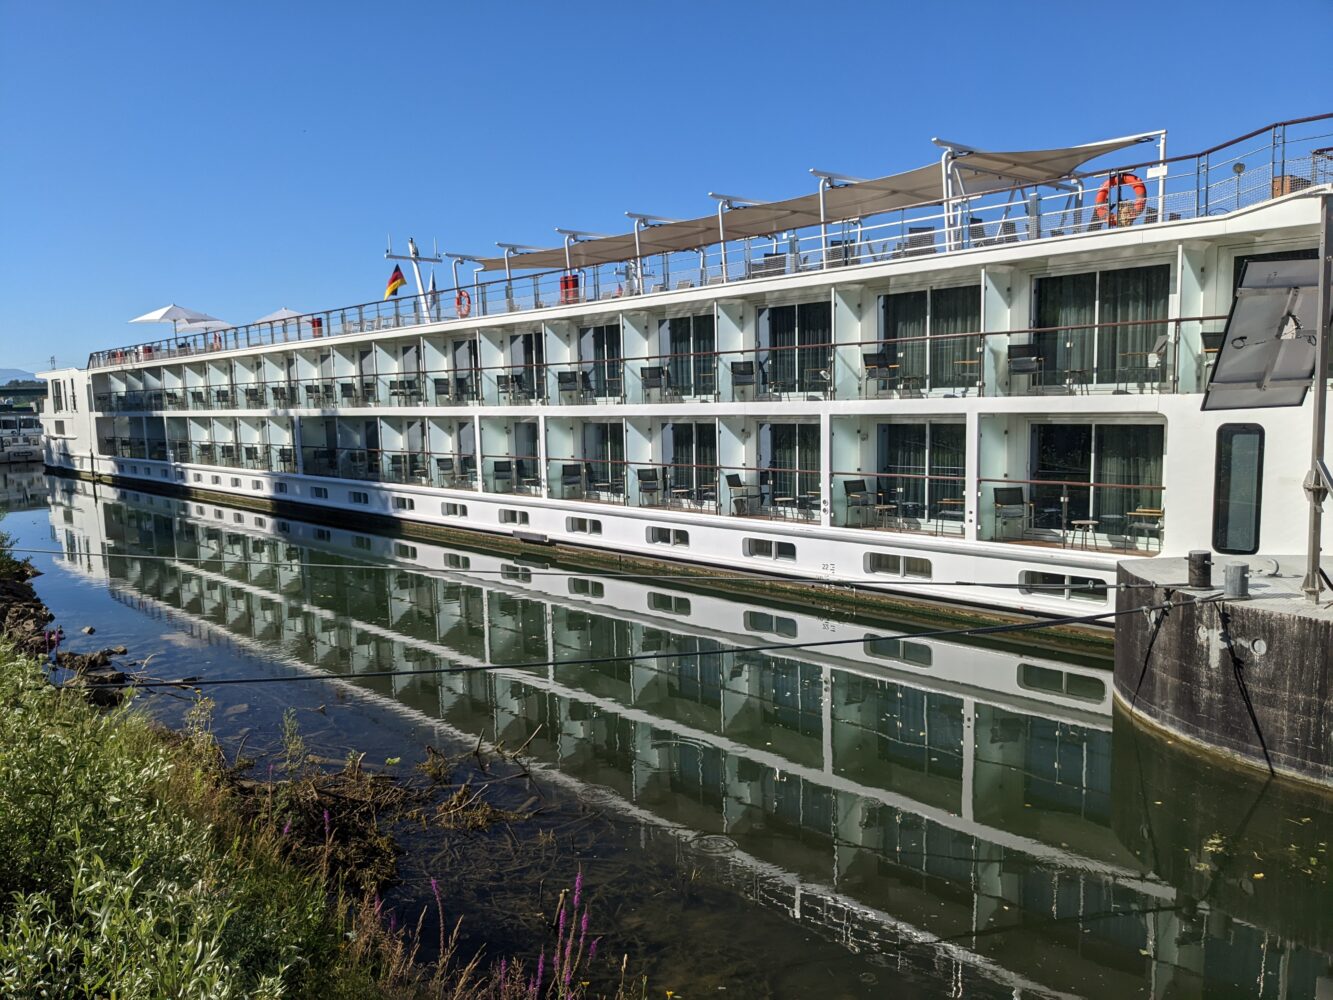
980, 380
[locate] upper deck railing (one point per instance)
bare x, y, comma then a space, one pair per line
1270, 162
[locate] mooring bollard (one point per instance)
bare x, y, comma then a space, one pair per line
1237, 581
1201, 569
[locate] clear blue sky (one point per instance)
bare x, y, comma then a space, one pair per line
236, 157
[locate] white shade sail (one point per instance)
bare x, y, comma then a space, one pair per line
980, 173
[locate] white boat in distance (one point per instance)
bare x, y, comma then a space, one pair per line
977, 381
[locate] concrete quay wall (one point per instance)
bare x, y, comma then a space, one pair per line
1183, 679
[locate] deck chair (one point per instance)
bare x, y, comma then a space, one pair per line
444, 471
650, 487
742, 376
1026, 359
920, 241
879, 372
571, 480
859, 499
744, 496
654, 377
502, 474
817, 381
1010, 505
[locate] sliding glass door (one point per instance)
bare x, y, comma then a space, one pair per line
795, 352
1102, 326
933, 336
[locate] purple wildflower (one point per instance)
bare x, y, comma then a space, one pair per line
287, 828
504, 969
435, 890
592, 949
393, 921
569, 954
326, 824
541, 968
560, 930
578, 888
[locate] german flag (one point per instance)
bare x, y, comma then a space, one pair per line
396, 281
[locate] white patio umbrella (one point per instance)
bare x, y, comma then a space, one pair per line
279, 316
174, 315
204, 326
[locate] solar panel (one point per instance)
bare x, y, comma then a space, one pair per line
1269, 350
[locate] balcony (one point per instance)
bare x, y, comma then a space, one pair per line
900, 502
1118, 518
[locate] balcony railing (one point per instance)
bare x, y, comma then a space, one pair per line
1085, 514
1137, 356
1269, 162
932, 503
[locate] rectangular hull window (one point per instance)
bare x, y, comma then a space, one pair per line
1238, 488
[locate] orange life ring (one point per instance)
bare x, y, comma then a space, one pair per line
463, 303
1126, 213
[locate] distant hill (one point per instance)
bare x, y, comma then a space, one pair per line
9, 374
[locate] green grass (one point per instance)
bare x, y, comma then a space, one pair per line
128, 870
121, 877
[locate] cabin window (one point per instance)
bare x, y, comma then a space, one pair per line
672, 604
763, 548
510, 516
923, 334
404, 551
520, 574
689, 342
795, 350
60, 427
1123, 460
1058, 585
668, 536
454, 509
1051, 681
404, 503
255, 484
583, 526
1101, 325
886, 648
455, 561
1238, 488
882, 562
358, 496
322, 534
581, 587
362, 542
920, 470
319, 493
762, 621
236, 482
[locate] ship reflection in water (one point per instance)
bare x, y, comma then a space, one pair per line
966, 814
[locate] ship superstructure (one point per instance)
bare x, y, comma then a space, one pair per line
979, 380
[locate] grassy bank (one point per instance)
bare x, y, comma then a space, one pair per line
120, 876
133, 864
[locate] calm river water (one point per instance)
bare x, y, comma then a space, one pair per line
880, 817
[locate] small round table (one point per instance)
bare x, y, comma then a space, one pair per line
1086, 526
